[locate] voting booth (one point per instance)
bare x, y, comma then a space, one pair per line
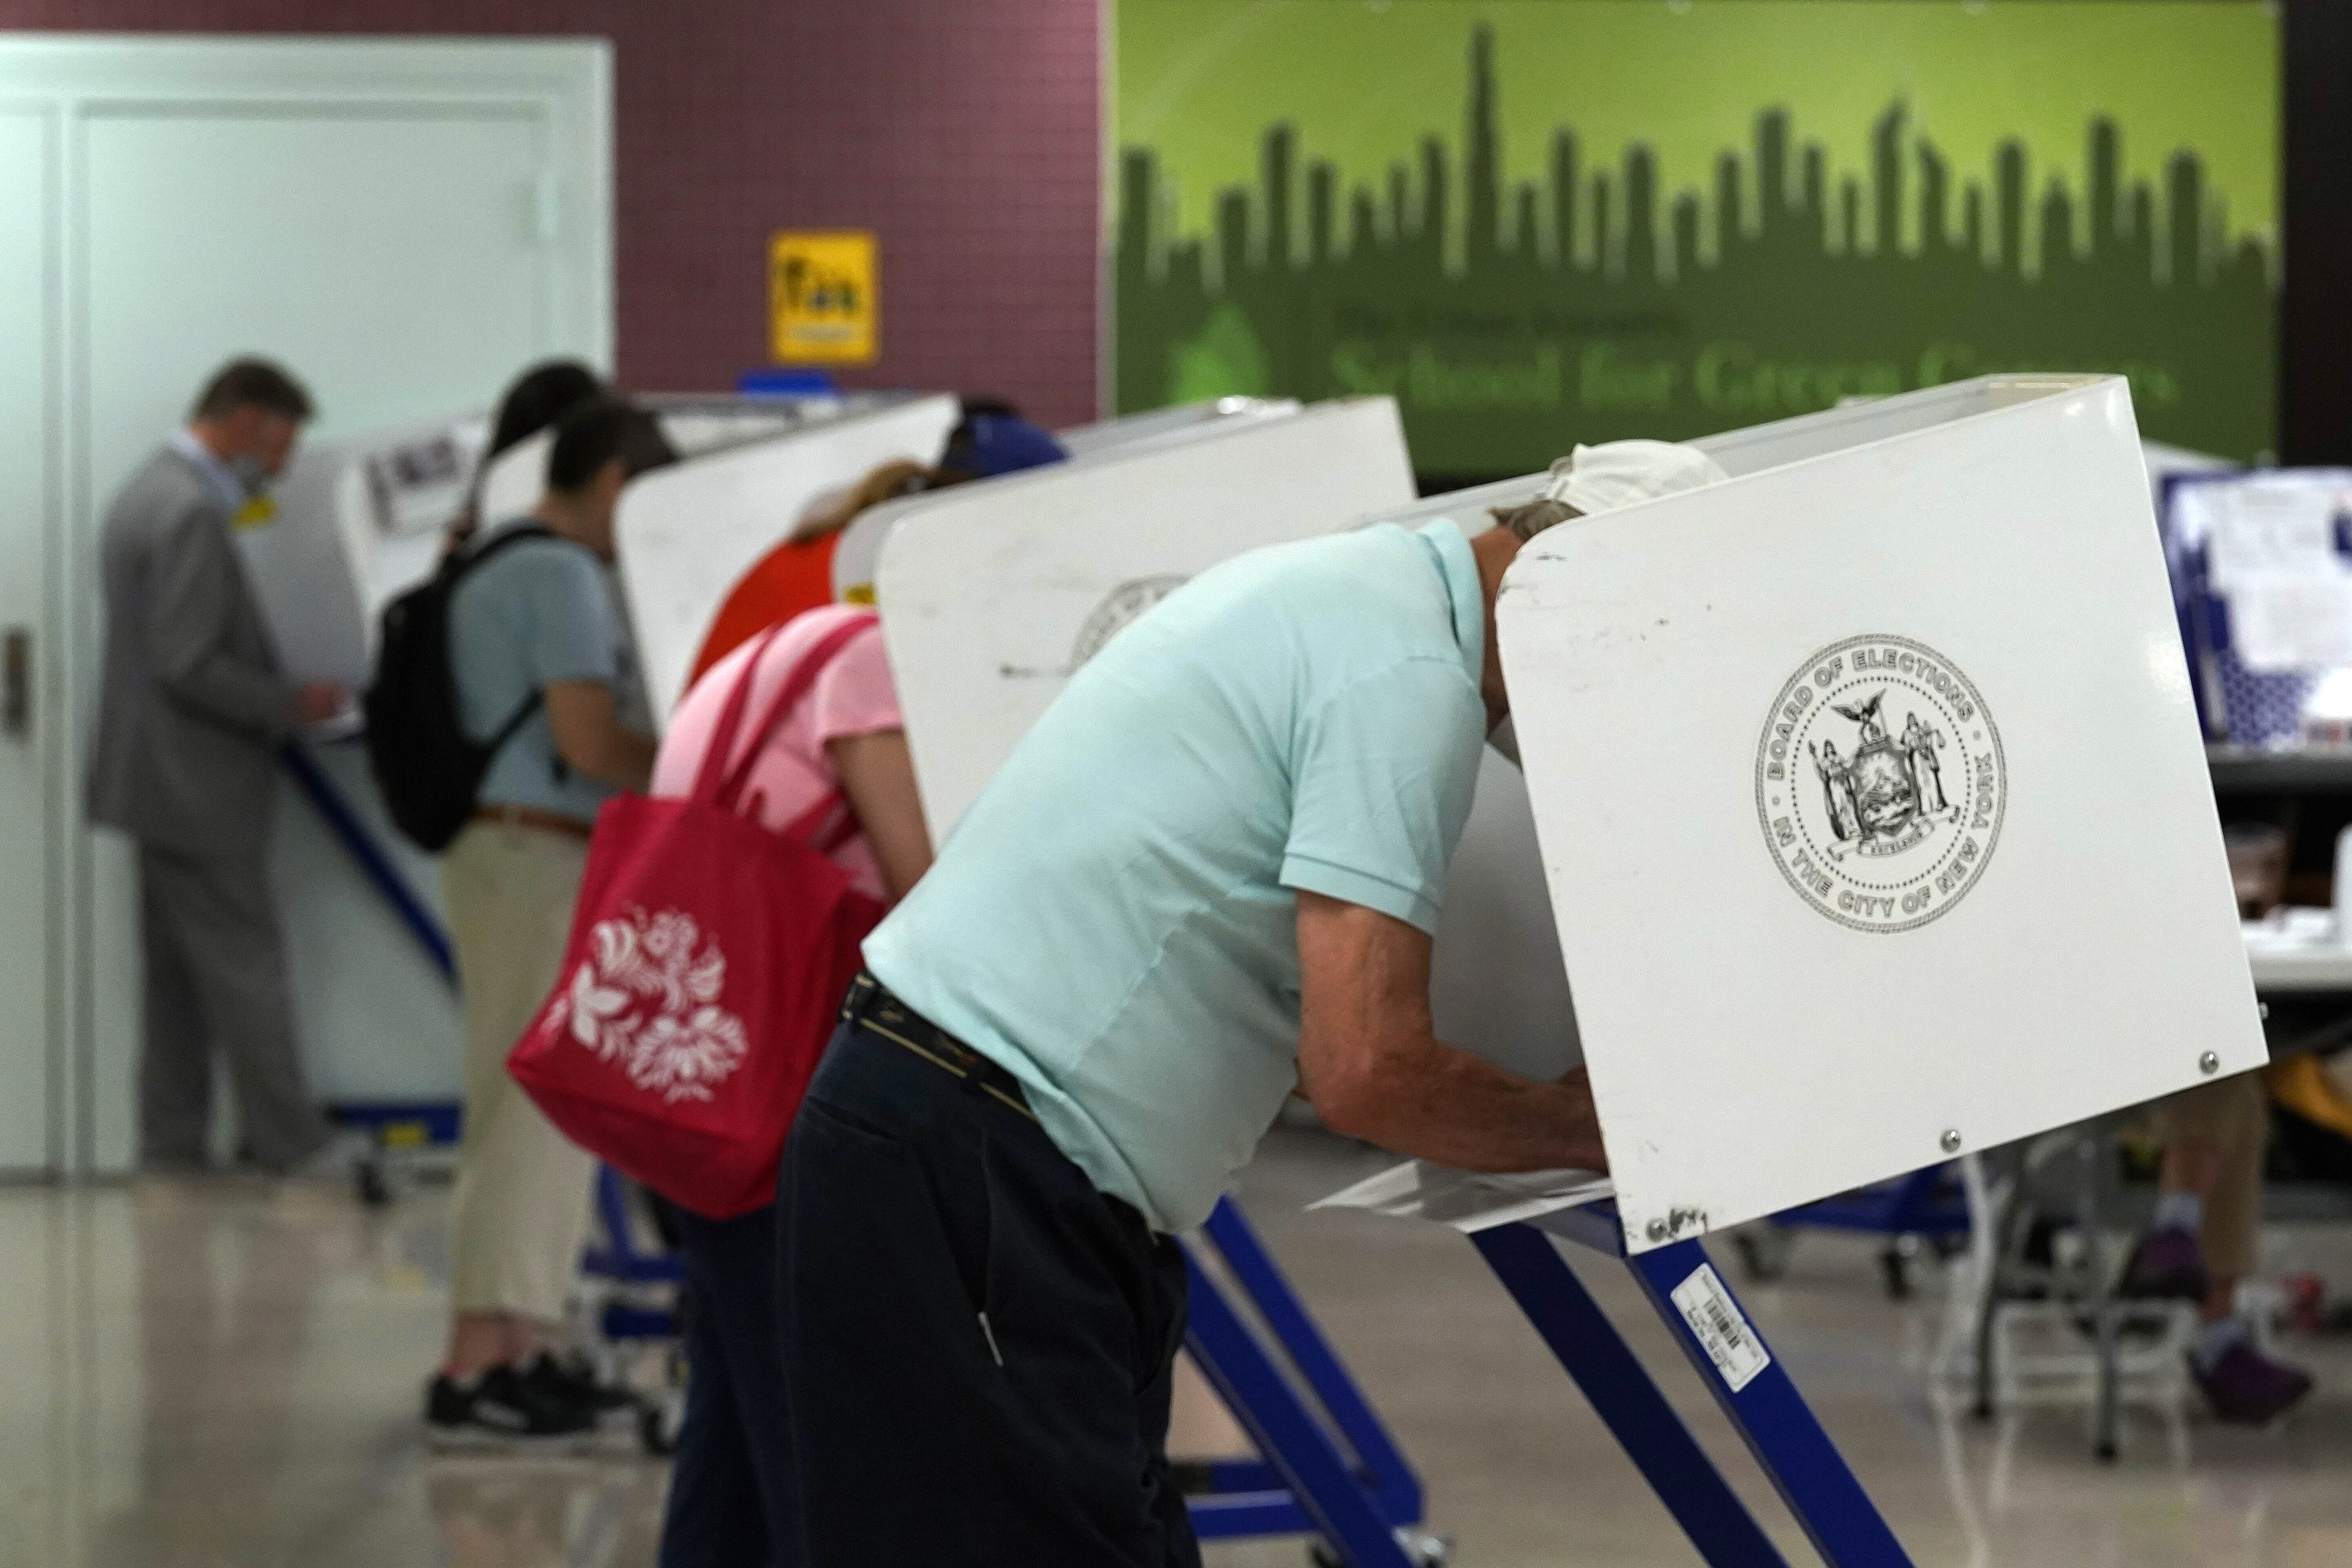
1884, 954
1873, 802
358, 518
353, 522
855, 561
1864, 803
694, 423
685, 534
992, 595
1083, 440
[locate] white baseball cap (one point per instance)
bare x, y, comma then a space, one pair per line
1619, 473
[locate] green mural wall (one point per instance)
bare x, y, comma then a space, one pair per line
1536, 222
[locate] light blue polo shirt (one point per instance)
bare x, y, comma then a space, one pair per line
1113, 920
541, 611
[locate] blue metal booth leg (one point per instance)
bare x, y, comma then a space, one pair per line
1355, 1497
344, 822
1755, 1392
1734, 1362
1636, 1413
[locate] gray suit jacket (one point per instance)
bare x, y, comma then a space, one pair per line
192, 709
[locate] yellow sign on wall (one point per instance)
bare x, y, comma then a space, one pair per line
821, 296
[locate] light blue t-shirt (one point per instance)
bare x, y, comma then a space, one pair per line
1114, 921
537, 613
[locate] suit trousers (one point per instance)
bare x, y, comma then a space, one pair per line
524, 1198
977, 1342
216, 984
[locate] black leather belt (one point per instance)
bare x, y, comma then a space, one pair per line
871, 1006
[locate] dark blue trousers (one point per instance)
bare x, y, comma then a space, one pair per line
731, 1489
977, 1344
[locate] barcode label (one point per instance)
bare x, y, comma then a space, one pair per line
1712, 1315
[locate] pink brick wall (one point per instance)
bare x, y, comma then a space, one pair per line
965, 133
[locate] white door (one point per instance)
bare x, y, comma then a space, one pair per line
394, 261
404, 226
28, 510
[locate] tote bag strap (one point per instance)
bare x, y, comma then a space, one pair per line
835, 810
796, 687
722, 744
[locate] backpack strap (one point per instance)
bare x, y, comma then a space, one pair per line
515, 722
478, 551
462, 561
722, 786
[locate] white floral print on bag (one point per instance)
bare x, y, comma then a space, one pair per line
648, 1000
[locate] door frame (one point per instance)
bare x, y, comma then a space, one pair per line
76, 79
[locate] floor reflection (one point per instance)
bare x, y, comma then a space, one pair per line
226, 1374
522, 1513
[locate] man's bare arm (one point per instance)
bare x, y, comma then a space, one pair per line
589, 736
1370, 1063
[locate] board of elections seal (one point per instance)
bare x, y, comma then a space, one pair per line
1120, 608
1124, 604
1880, 782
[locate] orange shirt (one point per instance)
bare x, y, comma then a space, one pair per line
789, 579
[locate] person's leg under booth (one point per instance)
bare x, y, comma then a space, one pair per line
523, 1200
2213, 1137
977, 1344
733, 1489
215, 922
2206, 1233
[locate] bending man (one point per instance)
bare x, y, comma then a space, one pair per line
1207, 877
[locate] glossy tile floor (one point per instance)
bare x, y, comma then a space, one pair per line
224, 1375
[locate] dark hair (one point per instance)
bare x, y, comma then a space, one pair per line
539, 397
252, 384
597, 432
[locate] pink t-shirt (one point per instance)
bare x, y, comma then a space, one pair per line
853, 695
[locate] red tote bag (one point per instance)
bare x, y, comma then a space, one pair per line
707, 959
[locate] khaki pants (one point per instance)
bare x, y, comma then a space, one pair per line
2234, 1115
523, 1189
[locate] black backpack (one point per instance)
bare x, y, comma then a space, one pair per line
429, 769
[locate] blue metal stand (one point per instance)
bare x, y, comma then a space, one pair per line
1339, 1475
1926, 1202
373, 863
1928, 1206
619, 1258
1748, 1382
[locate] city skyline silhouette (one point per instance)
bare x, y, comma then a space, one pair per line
1589, 303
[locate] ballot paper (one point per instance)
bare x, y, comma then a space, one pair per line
1468, 1200
2268, 523
2281, 621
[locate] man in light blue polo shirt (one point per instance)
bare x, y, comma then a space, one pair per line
1206, 880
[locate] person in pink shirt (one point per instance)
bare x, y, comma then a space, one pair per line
847, 734
731, 1486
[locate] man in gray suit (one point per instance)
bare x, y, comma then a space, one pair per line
191, 719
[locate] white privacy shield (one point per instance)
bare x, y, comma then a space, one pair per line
361, 518
992, 594
1872, 802
685, 534
860, 552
